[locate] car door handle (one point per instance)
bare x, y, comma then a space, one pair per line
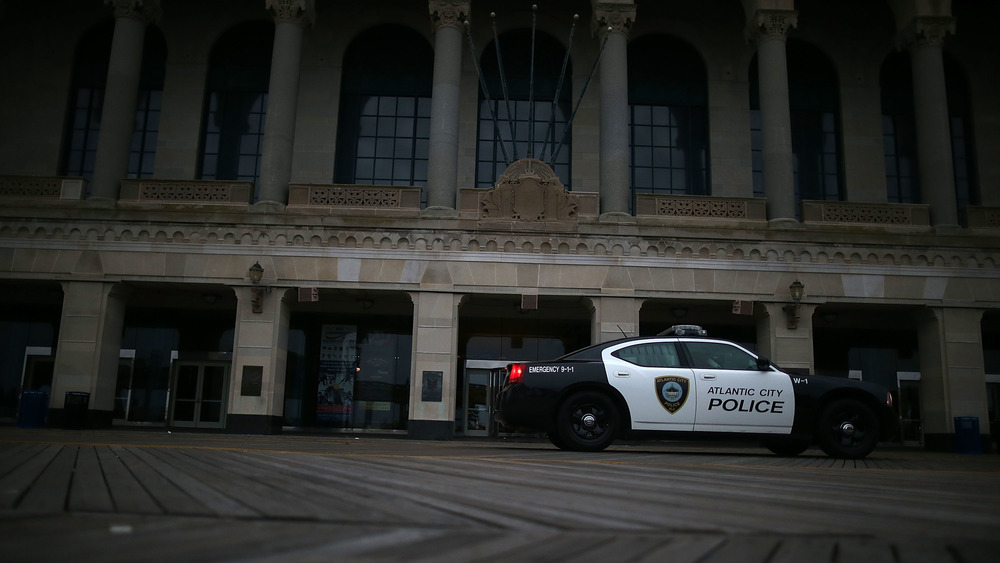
624, 374
708, 377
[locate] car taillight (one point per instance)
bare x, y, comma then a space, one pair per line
514, 373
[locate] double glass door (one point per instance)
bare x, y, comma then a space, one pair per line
482, 382
199, 394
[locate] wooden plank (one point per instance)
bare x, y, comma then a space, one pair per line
16, 483
168, 496
127, 493
15, 455
49, 492
88, 491
197, 483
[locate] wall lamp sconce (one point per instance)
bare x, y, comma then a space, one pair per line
796, 290
257, 292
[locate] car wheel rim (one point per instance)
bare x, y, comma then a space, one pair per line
588, 422
849, 429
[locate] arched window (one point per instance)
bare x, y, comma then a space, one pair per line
899, 131
814, 105
962, 146
90, 74
385, 109
526, 123
668, 99
899, 134
239, 71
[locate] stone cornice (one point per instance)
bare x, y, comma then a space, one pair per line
145, 11
612, 18
298, 12
448, 13
768, 25
925, 30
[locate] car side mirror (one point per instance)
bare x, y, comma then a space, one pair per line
763, 364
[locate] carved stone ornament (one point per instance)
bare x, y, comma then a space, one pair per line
927, 30
299, 12
448, 13
146, 11
529, 191
612, 18
771, 24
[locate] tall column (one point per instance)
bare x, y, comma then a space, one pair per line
447, 17
121, 93
90, 338
792, 348
614, 317
290, 17
612, 21
952, 373
260, 356
434, 383
924, 37
769, 31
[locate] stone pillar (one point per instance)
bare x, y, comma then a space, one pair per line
769, 30
260, 353
434, 381
924, 37
612, 21
614, 317
121, 93
90, 338
792, 348
290, 17
952, 373
447, 17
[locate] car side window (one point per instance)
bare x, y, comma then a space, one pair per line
716, 355
653, 354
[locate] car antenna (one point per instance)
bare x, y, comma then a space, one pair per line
623, 332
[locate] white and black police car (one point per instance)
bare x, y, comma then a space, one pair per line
682, 384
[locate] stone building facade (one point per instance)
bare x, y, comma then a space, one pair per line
257, 215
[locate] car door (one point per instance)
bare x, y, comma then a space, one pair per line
659, 390
734, 396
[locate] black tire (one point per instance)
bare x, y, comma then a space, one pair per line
787, 448
587, 422
847, 428
554, 438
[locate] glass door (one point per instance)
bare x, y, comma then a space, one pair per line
482, 381
199, 397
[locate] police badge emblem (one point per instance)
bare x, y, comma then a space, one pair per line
672, 392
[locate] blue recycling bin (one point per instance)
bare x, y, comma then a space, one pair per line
32, 409
967, 440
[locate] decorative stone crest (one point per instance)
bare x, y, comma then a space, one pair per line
771, 24
926, 30
448, 13
529, 190
146, 11
299, 12
612, 18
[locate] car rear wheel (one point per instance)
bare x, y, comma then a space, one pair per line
587, 422
847, 429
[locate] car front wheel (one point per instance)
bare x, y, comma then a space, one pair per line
847, 429
587, 422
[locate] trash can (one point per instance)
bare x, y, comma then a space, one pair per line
967, 440
32, 409
75, 409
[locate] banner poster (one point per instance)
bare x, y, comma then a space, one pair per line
337, 370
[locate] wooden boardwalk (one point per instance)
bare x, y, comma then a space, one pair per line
153, 496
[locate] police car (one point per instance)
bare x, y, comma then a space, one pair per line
681, 384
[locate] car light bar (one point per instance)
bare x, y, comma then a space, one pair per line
684, 330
